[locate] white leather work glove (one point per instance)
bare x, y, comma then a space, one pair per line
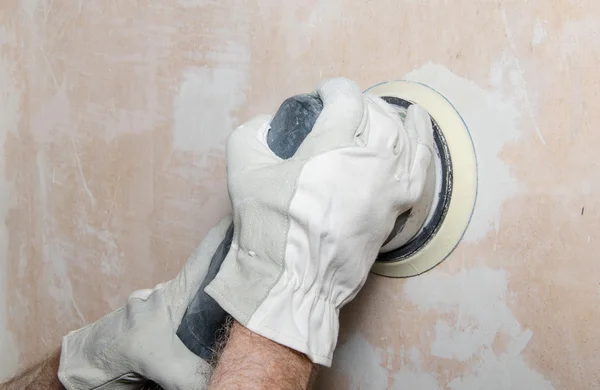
309, 228
139, 341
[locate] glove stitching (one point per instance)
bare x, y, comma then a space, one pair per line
65, 349
217, 293
305, 292
265, 327
105, 384
297, 286
300, 340
287, 215
284, 239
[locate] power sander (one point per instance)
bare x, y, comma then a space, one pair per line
421, 238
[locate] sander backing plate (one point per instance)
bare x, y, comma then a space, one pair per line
464, 179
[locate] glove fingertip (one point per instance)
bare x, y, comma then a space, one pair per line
249, 141
253, 130
343, 108
418, 121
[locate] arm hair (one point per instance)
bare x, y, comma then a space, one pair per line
250, 361
40, 376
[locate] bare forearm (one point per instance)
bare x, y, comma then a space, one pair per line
250, 361
41, 376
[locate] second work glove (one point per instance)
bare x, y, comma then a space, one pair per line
138, 342
308, 229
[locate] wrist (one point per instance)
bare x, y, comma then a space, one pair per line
41, 376
299, 317
293, 315
252, 358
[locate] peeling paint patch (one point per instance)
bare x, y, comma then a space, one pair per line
476, 298
492, 122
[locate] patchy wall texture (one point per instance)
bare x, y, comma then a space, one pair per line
113, 118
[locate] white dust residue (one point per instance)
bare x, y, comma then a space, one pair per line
519, 86
58, 283
362, 363
204, 109
10, 97
415, 380
579, 36
29, 7
55, 113
196, 3
476, 300
539, 32
492, 121
369, 367
412, 375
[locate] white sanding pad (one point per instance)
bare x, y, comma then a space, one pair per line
463, 183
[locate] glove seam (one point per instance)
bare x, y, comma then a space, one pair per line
294, 338
297, 286
65, 348
217, 293
305, 292
212, 290
284, 240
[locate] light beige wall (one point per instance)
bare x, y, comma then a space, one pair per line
113, 117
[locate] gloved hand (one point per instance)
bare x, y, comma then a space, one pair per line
308, 229
139, 341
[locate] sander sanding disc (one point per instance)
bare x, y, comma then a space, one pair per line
446, 231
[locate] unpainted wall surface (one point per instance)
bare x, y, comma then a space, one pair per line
113, 118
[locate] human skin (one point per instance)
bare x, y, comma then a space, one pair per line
40, 376
250, 361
